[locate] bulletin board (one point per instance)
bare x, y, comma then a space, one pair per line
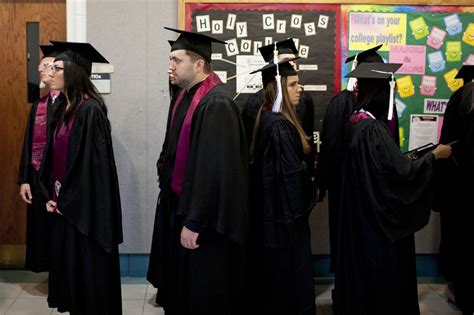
432, 42
247, 26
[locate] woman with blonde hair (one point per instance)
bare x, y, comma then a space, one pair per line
282, 197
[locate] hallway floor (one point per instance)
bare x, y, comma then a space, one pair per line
24, 293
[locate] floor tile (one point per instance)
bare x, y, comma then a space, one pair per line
132, 307
150, 293
437, 307
34, 291
29, 307
323, 292
425, 292
5, 305
152, 309
10, 290
324, 307
133, 291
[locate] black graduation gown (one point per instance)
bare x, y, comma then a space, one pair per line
85, 272
206, 280
37, 218
334, 138
385, 199
282, 198
304, 110
453, 198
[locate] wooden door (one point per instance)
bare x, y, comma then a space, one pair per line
14, 108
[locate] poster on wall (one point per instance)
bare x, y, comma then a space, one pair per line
432, 42
247, 26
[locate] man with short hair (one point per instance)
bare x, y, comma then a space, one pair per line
36, 136
201, 223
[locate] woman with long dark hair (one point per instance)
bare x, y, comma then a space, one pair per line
385, 198
282, 199
80, 178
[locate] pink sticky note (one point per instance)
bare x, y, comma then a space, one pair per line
436, 38
469, 60
428, 85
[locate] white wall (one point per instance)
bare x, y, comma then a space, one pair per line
130, 35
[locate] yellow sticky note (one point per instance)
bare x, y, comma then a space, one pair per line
468, 36
402, 136
453, 51
453, 83
405, 86
419, 28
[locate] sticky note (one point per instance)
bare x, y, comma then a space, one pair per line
428, 85
453, 83
453, 51
405, 86
468, 36
436, 38
436, 61
419, 28
453, 24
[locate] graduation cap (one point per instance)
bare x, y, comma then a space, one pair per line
383, 71
82, 54
199, 43
275, 71
466, 73
171, 42
269, 71
50, 51
286, 46
369, 55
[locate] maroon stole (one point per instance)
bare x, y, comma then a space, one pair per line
60, 151
39, 130
182, 152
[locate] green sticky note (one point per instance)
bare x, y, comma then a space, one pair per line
453, 51
419, 29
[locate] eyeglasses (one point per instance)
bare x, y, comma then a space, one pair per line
44, 66
55, 68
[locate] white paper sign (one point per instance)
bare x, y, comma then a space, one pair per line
423, 130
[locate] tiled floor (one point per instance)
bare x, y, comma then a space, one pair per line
25, 294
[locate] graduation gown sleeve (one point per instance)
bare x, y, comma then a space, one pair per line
25, 159
396, 189
215, 190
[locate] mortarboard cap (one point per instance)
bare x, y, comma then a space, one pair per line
199, 43
369, 55
466, 73
50, 51
374, 71
269, 71
82, 54
384, 71
171, 42
286, 46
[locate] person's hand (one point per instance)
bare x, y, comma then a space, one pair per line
25, 193
442, 151
189, 238
52, 206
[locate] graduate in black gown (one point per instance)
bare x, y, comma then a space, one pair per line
304, 109
385, 198
453, 200
80, 178
36, 136
282, 197
201, 222
334, 138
